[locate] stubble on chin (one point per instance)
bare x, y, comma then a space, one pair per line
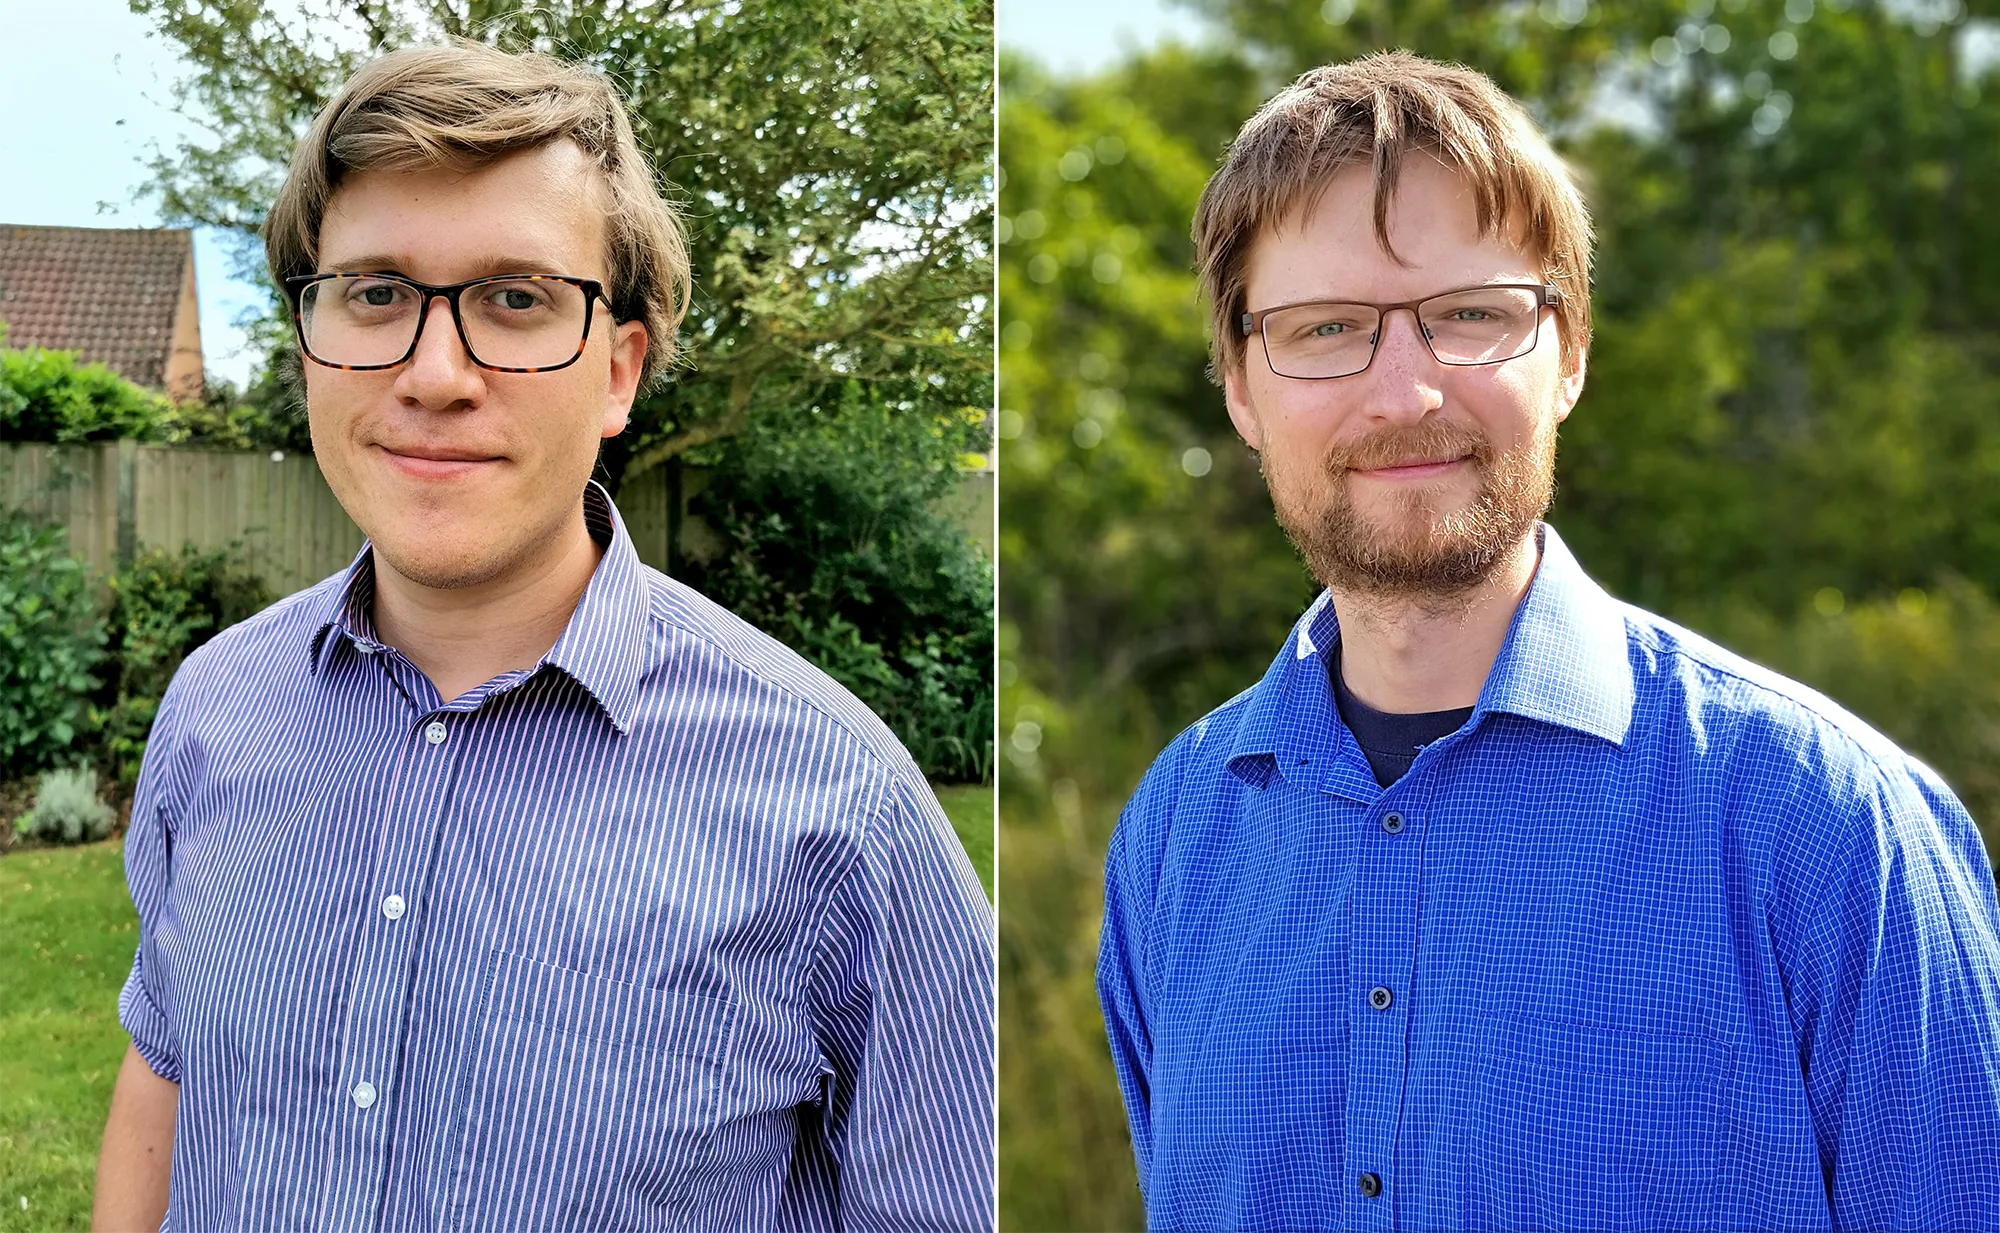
450, 547
1413, 548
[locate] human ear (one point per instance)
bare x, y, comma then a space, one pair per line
628, 357
1236, 393
1571, 388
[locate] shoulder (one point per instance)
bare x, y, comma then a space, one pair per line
1768, 721
1821, 786
258, 652
1189, 777
712, 650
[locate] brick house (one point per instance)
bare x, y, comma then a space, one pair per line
120, 297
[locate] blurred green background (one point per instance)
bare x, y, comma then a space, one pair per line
1790, 439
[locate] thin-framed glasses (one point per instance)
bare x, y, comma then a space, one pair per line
510, 322
1476, 325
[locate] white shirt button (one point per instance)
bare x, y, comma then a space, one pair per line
434, 732
393, 907
364, 1094
364, 648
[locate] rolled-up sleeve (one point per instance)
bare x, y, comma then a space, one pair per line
145, 1005
1892, 970
903, 998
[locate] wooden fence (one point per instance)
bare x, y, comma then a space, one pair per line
120, 498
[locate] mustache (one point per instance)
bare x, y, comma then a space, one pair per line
1430, 441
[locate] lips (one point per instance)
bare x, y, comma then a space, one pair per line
1413, 469
437, 462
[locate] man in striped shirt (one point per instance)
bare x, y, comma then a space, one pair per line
501, 881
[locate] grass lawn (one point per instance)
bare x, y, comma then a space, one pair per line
66, 938
970, 808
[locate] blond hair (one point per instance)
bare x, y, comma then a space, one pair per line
1379, 109
462, 106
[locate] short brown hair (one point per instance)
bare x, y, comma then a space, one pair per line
1380, 108
464, 105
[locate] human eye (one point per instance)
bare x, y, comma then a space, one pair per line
1321, 324
375, 295
526, 296
1482, 306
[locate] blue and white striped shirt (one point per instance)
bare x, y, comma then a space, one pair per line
666, 932
1656, 940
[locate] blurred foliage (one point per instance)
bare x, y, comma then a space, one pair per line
162, 606
1790, 437
51, 639
833, 543
833, 158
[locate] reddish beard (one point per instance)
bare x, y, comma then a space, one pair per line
1416, 547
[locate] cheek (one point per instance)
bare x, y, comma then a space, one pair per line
1510, 406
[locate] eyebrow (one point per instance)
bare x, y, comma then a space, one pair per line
375, 263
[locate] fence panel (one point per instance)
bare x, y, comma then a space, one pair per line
118, 498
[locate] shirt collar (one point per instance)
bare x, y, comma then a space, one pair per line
602, 648
1565, 662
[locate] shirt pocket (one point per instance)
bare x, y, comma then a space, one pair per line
586, 1102
1590, 1127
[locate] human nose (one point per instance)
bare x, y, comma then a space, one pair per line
1404, 370
440, 372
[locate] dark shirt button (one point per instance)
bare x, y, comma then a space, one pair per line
1379, 998
1393, 823
1371, 1185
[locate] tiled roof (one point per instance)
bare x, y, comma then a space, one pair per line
109, 294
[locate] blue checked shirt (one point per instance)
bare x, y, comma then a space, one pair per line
666, 932
1657, 940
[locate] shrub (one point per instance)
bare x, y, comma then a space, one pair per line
51, 637
67, 809
50, 396
835, 545
163, 606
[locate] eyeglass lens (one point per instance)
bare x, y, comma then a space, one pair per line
359, 320
1482, 326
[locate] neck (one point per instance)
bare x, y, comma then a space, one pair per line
462, 637
1413, 654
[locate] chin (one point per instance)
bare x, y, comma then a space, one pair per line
442, 557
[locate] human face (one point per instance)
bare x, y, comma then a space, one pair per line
1412, 477
461, 476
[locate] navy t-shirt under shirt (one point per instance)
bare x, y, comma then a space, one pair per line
1390, 741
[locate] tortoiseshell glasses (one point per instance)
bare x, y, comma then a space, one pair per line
510, 322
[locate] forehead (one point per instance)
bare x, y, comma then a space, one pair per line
1328, 249
541, 208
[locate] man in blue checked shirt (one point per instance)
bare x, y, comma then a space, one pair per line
1498, 904
501, 882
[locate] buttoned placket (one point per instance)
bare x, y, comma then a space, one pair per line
411, 816
1381, 963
